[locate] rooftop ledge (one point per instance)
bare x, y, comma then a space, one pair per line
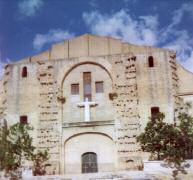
88, 124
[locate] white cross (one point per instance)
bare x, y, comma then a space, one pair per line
87, 104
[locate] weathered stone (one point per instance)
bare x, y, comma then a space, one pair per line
130, 86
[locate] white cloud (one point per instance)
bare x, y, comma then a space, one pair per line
189, 62
54, 35
93, 4
145, 30
1, 69
121, 25
29, 8
182, 42
178, 15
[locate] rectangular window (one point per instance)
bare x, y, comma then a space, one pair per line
151, 61
74, 89
154, 112
23, 119
99, 87
87, 85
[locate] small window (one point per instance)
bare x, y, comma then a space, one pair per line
74, 89
150, 61
154, 112
89, 162
23, 119
99, 87
24, 72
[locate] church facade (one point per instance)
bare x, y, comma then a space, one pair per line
89, 97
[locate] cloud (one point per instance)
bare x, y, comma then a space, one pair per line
1, 69
176, 20
179, 39
146, 30
189, 62
54, 35
179, 13
93, 4
121, 25
181, 43
29, 8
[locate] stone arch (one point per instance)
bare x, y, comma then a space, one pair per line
83, 63
74, 74
78, 134
96, 142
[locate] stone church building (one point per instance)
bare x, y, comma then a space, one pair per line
89, 97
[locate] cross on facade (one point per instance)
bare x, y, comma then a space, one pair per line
87, 104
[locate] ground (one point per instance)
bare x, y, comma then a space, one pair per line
123, 175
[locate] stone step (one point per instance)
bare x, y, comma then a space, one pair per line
127, 175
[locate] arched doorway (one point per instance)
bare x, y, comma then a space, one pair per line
89, 152
89, 162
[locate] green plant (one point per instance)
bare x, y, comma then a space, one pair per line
169, 142
39, 165
16, 145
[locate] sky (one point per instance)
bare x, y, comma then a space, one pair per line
28, 27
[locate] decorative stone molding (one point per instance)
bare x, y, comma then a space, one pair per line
89, 124
113, 96
61, 99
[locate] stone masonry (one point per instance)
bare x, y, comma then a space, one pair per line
132, 86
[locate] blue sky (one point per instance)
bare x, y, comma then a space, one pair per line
28, 27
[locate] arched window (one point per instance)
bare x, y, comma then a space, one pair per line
154, 112
89, 162
150, 61
24, 72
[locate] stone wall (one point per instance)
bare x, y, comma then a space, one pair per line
126, 108
4, 93
131, 89
49, 124
85, 46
